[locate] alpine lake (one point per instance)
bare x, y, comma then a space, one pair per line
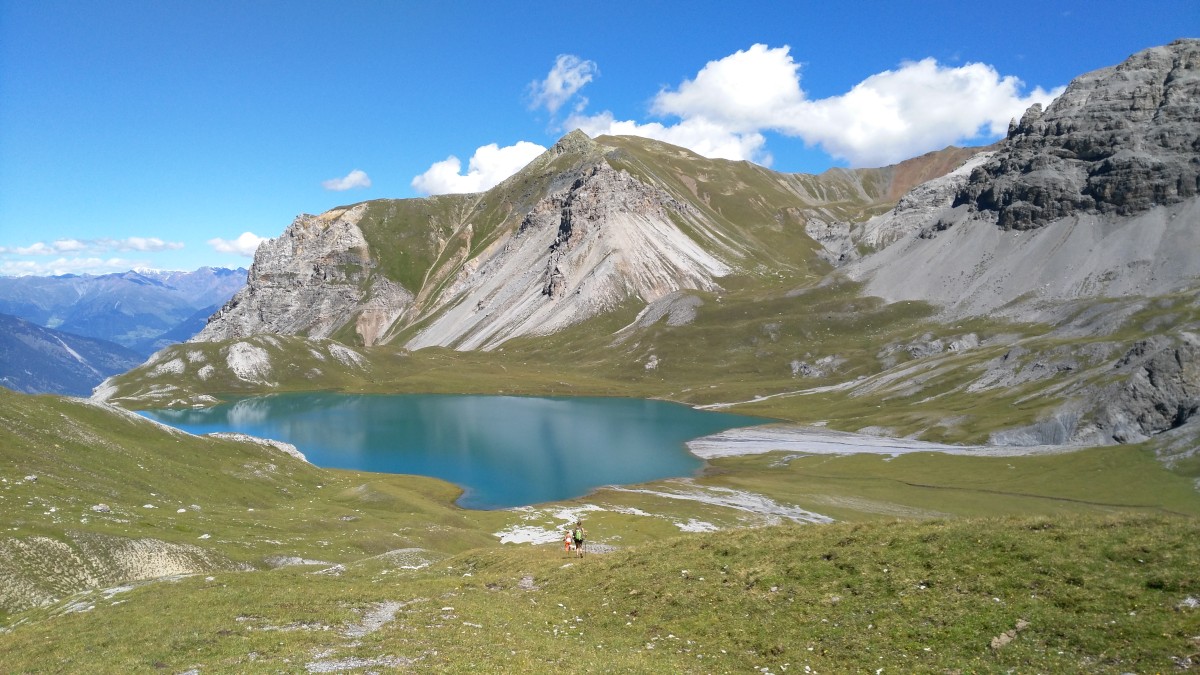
504, 451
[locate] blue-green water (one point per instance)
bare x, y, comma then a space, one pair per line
502, 450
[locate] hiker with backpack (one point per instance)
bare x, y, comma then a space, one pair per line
578, 535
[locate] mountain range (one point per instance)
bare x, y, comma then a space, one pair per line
1041, 290
66, 334
143, 310
40, 360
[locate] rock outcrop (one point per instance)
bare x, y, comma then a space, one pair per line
580, 251
1119, 140
1095, 197
312, 280
1159, 390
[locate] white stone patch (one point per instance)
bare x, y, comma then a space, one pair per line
286, 448
528, 534
693, 525
248, 363
172, 367
345, 355
537, 534
816, 441
195, 356
206, 372
738, 500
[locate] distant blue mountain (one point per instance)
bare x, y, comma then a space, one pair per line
37, 360
142, 310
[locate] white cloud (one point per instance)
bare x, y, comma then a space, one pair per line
246, 244
696, 134
355, 179
888, 117
488, 166
60, 246
568, 76
143, 244
18, 268
920, 106
747, 90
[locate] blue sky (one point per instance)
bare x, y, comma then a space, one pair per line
175, 134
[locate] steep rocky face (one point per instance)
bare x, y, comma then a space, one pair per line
919, 206
1095, 197
579, 252
1119, 140
1160, 391
312, 280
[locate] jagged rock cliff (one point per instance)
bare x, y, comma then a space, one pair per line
312, 280
1119, 140
1095, 197
581, 251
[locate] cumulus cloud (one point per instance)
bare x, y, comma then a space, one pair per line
355, 179
567, 77
917, 107
488, 166
246, 244
697, 134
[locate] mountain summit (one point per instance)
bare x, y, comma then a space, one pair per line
586, 227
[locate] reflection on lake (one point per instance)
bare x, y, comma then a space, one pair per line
503, 450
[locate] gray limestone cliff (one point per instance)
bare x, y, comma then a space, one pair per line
581, 251
1119, 140
1094, 197
312, 280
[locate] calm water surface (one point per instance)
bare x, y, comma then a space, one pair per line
502, 450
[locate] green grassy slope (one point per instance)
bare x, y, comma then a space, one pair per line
744, 347
1061, 594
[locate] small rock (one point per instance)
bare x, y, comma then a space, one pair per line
148, 506
31, 479
181, 511
101, 508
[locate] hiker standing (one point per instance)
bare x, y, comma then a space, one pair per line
567, 542
578, 535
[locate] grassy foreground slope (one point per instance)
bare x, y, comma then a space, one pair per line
1069, 594
232, 556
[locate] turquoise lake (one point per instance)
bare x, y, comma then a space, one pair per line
502, 450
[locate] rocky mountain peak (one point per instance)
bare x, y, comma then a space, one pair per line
1119, 140
575, 141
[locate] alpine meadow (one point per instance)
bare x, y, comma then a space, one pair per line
978, 371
